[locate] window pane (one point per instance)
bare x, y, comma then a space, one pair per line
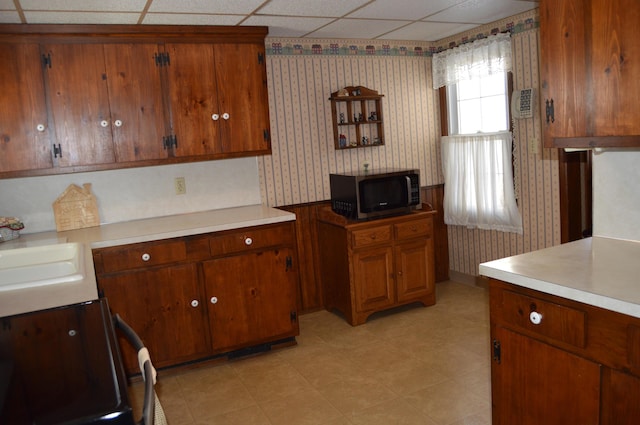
469, 89
481, 105
470, 116
494, 114
492, 85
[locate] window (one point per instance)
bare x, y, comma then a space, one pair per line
478, 105
476, 155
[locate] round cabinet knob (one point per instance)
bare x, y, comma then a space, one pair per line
225, 116
214, 300
40, 127
215, 117
535, 317
104, 123
146, 257
248, 241
118, 123
194, 303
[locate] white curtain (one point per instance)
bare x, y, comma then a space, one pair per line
478, 191
480, 58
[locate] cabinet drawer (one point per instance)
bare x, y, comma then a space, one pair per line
371, 236
142, 255
558, 322
251, 238
412, 229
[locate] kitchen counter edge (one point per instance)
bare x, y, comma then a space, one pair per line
601, 272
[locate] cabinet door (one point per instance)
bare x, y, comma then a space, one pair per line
79, 99
620, 395
136, 102
252, 298
164, 306
218, 97
535, 383
242, 93
373, 278
415, 277
193, 96
563, 62
614, 72
24, 133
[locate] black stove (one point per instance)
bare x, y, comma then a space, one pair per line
62, 366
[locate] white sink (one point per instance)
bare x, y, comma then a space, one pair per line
23, 268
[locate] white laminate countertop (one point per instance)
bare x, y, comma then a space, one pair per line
106, 235
598, 271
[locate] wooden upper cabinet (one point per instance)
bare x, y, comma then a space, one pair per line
138, 118
193, 99
116, 96
24, 128
79, 101
242, 86
218, 98
589, 76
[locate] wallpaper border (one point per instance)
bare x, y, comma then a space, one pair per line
341, 47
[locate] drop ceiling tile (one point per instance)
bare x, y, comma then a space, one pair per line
482, 11
402, 9
190, 19
357, 28
318, 8
84, 5
80, 18
427, 31
283, 26
7, 5
237, 7
9, 17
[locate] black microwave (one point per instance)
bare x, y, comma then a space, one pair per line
369, 194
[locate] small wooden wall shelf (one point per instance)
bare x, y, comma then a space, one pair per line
357, 117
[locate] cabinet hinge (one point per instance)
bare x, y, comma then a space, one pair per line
288, 263
46, 60
293, 316
260, 58
162, 59
550, 112
266, 135
169, 142
497, 355
57, 151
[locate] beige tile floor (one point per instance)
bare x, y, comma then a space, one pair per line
411, 365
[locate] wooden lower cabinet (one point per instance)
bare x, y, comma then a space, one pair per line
196, 297
579, 365
246, 306
163, 306
369, 266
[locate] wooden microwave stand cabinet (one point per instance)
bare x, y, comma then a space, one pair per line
370, 266
572, 364
204, 296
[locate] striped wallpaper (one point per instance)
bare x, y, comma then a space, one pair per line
300, 80
301, 126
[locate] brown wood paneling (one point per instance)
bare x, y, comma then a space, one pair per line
434, 195
310, 293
